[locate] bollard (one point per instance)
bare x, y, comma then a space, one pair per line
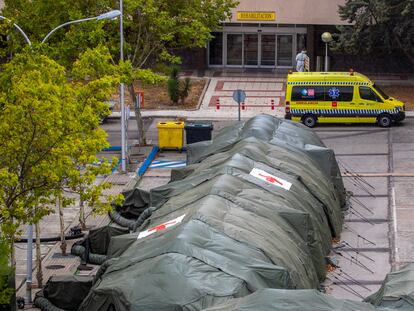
218, 104
272, 104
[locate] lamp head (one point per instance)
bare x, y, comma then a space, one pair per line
109, 15
327, 37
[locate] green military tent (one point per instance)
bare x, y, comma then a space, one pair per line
290, 300
253, 211
396, 292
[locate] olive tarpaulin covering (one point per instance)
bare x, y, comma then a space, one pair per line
291, 300
135, 202
64, 292
396, 292
99, 238
292, 136
256, 208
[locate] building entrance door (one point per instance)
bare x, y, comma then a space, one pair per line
284, 51
257, 50
268, 51
251, 50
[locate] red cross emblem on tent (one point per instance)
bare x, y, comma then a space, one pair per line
274, 180
161, 227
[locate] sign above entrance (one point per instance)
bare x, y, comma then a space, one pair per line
256, 16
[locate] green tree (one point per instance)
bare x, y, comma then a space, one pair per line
178, 88
46, 117
377, 25
5, 272
154, 30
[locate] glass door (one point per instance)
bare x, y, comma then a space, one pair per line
268, 51
216, 49
284, 51
251, 50
234, 49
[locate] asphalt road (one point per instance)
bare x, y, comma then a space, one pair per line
379, 227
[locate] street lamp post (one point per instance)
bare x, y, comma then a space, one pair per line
29, 267
122, 92
108, 15
19, 29
326, 37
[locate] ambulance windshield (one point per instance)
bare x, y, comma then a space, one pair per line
385, 96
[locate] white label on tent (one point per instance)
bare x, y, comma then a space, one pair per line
161, 227
277, 181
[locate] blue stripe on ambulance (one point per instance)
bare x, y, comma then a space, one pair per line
350, 112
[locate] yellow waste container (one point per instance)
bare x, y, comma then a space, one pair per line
170, 135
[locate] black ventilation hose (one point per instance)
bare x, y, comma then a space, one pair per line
53, 239
96, 259
144, 215
120, 220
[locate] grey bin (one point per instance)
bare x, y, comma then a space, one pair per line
198, 131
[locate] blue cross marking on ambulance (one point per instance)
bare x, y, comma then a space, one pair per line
334, 93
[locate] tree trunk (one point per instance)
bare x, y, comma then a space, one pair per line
39, 273
138, 117
62, 227
82, 221
12, 251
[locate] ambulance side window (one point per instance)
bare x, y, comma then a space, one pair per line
307, 93
368, 94
339, 93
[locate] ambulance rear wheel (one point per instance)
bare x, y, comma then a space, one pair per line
309, 120
384, 120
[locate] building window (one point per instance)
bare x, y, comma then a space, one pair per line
301, 42
216, 49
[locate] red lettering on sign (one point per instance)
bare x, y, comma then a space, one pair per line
162, 226
271, 179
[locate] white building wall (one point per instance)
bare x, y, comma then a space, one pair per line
311, 12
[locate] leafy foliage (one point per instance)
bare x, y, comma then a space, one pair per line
5, 271
174, 85
153, 29
49, 125
185, 88
377, 25
178, 88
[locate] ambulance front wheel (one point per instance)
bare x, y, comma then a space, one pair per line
309, 120
384, 120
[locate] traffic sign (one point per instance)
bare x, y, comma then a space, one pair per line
239, 96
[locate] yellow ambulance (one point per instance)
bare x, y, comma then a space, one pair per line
339, 97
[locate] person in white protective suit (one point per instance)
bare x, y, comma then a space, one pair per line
300, 61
